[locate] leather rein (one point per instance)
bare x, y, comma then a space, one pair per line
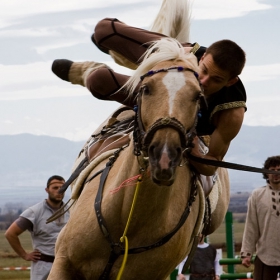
230, 165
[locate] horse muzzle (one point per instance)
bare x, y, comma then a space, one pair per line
163, 163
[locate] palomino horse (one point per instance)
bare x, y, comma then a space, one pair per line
168, 206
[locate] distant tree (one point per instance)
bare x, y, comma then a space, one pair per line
12, 206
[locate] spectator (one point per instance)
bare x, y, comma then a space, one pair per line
204, 265
43, 235
262, 226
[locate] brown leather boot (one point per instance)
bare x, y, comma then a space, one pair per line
75, 72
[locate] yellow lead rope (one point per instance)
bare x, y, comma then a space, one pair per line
124, 238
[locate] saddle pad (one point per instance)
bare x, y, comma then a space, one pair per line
79, 182
112, 142
200, 216
215, 194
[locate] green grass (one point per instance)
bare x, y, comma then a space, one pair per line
9, 258
219, 235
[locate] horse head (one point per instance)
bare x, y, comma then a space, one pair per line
168, 104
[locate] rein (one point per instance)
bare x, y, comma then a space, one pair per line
230, 165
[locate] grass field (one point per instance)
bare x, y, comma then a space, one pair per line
8, 257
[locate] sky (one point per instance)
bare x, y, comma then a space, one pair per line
34, 33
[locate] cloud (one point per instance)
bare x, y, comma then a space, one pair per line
28, 32
262, 112
256, 73
36, 81
219, 9
13, 11
33, 33
7, 122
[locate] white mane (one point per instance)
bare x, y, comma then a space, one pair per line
162, 50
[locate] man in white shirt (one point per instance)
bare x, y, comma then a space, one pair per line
43, 235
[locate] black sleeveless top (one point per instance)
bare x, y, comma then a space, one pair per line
203, 264
226, 98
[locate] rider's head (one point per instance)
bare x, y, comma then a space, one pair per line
220, 65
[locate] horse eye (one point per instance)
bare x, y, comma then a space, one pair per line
197, 97
145, 89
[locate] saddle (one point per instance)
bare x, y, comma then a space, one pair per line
113, 135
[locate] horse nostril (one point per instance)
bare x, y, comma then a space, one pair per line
177, 157
179, 152
151, 150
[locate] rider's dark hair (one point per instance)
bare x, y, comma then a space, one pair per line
54, 177
271, 162
228, 56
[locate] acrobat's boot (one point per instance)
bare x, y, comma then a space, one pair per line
75, 72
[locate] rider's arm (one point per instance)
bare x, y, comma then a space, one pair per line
228, 123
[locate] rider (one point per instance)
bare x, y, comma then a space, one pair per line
219, 67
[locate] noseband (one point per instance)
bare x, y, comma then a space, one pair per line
142, 138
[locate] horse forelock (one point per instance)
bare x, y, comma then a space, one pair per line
166, 49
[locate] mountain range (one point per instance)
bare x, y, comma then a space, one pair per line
27, 161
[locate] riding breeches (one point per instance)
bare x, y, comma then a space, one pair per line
105, 84
131, 43
128, 41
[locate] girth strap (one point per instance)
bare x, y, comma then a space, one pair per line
116, 251
106, 272
98, 200
191, 254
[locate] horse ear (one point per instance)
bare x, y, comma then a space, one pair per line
232, 81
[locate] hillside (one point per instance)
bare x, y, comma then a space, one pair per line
251, 147
27, 161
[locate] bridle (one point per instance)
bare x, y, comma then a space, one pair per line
143, 138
